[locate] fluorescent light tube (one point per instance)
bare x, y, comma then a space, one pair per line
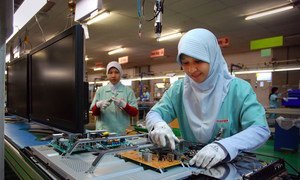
126, 82
287, 69
170, 36
273, 11
7, 58
99, 17
144, 78
116, 51
267, 70
160, 85
87, 58
99, 69
253, 71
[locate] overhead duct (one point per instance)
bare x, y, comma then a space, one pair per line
291, 40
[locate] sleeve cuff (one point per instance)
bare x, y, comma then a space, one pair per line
132, 111
95, 111
247, 140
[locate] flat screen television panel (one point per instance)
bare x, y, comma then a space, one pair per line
17, 87
58, 94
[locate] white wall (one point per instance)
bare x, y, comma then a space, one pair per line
253, 59
248, 59
165, 68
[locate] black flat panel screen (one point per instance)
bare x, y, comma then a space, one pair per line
17, 87
57, 87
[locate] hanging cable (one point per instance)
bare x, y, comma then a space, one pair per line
36, 19
67, 22
140, 16
158, 11
158, 8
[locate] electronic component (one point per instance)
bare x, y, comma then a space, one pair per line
91, 141
143, 160
269, 171
156, 160
163, 158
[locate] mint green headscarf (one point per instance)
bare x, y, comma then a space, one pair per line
202, 101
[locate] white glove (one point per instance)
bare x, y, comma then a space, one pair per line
102, 104
208, 156
119, 102
161, 132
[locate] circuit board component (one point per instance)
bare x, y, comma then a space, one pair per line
157, 160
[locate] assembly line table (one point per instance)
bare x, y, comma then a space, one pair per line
32, 158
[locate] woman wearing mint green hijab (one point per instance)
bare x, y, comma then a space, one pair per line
114, 103
212, 107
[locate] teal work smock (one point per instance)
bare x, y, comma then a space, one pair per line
239, 110
274, 101
112, 118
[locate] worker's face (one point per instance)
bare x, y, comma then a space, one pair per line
195, 69
114, 75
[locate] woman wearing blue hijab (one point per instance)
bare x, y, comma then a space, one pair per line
209, 104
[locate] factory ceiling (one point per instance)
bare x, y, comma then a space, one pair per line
225, 18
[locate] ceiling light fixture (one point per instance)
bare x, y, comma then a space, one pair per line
145, 78
99, 68
23, 14
253, 71
116, 51
87, 58
287, 69
267, 70
100, 16
7, 58
160, 85
269, 12
169, 36
84, 8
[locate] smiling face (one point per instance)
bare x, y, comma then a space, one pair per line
113, 75
196, 69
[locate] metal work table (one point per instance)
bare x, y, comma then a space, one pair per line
34, 159
290, 111
17, 138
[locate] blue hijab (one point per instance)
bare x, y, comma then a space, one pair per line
202, 101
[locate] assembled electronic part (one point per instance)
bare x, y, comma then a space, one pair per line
91, 141
270, 171
150, 159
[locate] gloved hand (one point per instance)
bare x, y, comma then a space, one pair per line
208, 156
160, 133
119, 102
102, 104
